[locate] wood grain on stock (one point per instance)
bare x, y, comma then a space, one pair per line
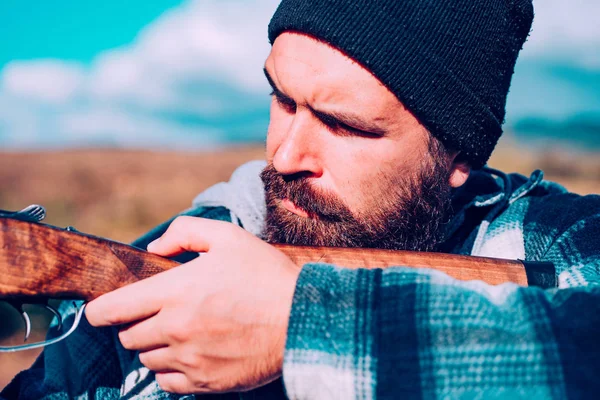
467, 268
38, 260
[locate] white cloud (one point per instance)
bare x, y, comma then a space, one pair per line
227, 37
215, 39
117, 127
567, 30
123, 90
51, 81
123, 75
21, 121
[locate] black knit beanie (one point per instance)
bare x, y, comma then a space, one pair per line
449, 62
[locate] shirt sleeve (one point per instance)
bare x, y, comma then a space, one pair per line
407, 333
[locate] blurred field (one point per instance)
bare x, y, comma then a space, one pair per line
120, 194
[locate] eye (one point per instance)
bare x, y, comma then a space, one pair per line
339, 128
357, 132
285, 102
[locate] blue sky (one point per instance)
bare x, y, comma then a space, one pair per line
187, 74
72, 29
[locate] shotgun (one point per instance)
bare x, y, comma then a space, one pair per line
40, 261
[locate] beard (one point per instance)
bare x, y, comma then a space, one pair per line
412, 216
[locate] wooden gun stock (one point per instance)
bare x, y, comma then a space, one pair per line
44, 261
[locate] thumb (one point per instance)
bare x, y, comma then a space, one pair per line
188, 234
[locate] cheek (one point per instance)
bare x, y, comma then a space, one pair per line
370, 174
279, 125
352, 166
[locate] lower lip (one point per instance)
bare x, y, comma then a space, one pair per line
291, 207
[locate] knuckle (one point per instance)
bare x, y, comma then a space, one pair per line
180, 222
175, 333
222, 225
149, 360
226, 231
145, 360
168, 385
189, 360
113, 319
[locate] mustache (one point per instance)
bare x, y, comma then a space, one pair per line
297, 188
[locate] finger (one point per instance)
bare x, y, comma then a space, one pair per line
190, 234
129, 303
176, 382
143, 335
159, 360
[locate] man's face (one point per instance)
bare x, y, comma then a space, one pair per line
348, 164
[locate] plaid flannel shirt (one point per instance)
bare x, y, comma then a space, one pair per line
406, 333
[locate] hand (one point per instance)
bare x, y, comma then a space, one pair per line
215, 324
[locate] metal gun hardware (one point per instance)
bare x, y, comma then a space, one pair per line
32, 213
36, 213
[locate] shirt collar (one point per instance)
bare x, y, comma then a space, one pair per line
491, 189
488, 187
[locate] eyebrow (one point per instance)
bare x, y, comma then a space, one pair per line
343, 119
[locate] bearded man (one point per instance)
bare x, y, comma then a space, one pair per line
383, 116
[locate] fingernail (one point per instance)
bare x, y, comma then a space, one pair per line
152, 244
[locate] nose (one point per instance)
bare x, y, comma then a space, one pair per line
300, 151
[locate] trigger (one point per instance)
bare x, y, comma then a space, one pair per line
25, 316
56, 314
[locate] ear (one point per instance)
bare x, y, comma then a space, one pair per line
459, 172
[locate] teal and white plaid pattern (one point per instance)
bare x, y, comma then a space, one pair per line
405, 333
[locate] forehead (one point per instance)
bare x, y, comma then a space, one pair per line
304, 66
